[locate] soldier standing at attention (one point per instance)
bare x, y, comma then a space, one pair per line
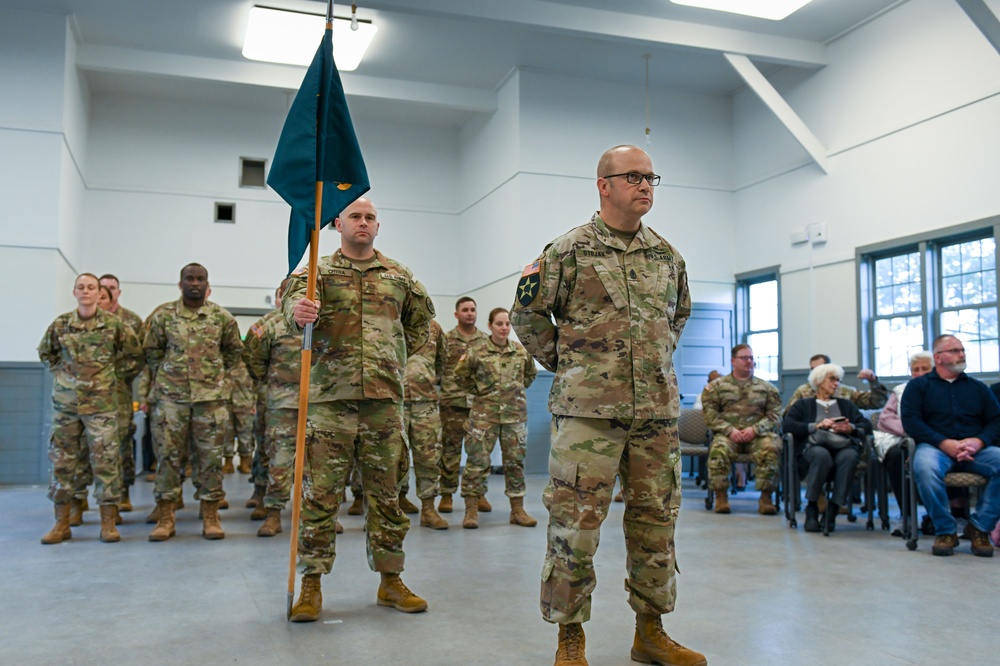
368, 312
89, 353
423, 424
497, 374
126, 426
456, 401
190, 345
743, 413
603, 308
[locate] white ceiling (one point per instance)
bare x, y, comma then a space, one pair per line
437, 61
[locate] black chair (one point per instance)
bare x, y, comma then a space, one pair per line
911, 528
694, 438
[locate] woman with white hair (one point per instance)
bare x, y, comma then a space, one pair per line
829, 432
890, 436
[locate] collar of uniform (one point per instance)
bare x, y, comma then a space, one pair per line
97, 321
187, 313
493, 348
644, 238
340, 261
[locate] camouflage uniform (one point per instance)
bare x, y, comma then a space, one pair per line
498, 377
89, 359
731, 404
367, 321
273, 355
188, 353
618, 313
241, 412
874, 399
456, 403
421, 416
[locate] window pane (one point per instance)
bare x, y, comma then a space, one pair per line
951, 260
763, 300
977, 329
883, 296
883, 272
765, 350
952, 288
895, 340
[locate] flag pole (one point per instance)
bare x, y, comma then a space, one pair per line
304, 380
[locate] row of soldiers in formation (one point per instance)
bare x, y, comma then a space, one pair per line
204, 387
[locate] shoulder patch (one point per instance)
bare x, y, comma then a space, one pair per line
300, 271
533, 268
527, 286
257, 330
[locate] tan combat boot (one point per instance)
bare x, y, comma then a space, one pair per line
357, 506
310, 602
211, 528
572, 646
257, 498
766, 507
653, 646
125, 505
76, 512
518, 516
272, 524
165, 526
471, 520
337, 526
109, 533
484, 505
445, 505
260, 511
60, 531
722, 501
227, 467
245, 465
392, 592
429, 517
406, 506
154, 515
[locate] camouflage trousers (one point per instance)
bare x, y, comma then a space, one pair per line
239, 434
338, 432
766, 453
479, 443
261, 455
453, 422
92, 438
126, 434
282, 425
198, 427
422, 421
585, 457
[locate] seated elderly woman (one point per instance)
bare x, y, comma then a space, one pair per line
889, 436
829, 432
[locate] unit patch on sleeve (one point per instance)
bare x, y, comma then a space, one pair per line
527, 287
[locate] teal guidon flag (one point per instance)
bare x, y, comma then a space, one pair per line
317, 144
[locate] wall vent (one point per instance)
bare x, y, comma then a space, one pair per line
225, 213
252, 172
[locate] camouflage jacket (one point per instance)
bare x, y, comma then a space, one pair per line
244, 392
367, 322
189, 351
89, 359
730, 404
273, 355
131, 319
452, 393
874, 399
424, 367
618, 315
497, 377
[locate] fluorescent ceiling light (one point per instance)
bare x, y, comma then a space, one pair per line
291, 38
774, 10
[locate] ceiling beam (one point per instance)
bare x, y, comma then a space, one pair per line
984, 18
286, 77
614, 26
774, 101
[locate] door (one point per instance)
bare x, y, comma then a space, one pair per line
704, 346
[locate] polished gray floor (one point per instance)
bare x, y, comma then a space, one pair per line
751, 591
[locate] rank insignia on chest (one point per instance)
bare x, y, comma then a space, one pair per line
527, 287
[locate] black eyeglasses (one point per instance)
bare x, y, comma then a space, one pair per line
745, 358
634, 177
955, 350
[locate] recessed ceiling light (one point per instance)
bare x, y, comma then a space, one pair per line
774, 10
290, 38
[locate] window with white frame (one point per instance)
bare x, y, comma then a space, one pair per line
928, 286
758, 320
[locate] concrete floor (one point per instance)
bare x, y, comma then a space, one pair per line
751, 591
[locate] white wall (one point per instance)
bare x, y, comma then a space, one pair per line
908, 107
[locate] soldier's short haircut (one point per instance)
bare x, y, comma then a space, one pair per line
818, 357
494, 312
109, 276
193, 263
464, 299
738, 348
77, 278
939, 339
604, 164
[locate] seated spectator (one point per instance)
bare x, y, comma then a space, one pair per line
712, 376
742, 413
890, 434
955, 421
829, 431
873, 399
